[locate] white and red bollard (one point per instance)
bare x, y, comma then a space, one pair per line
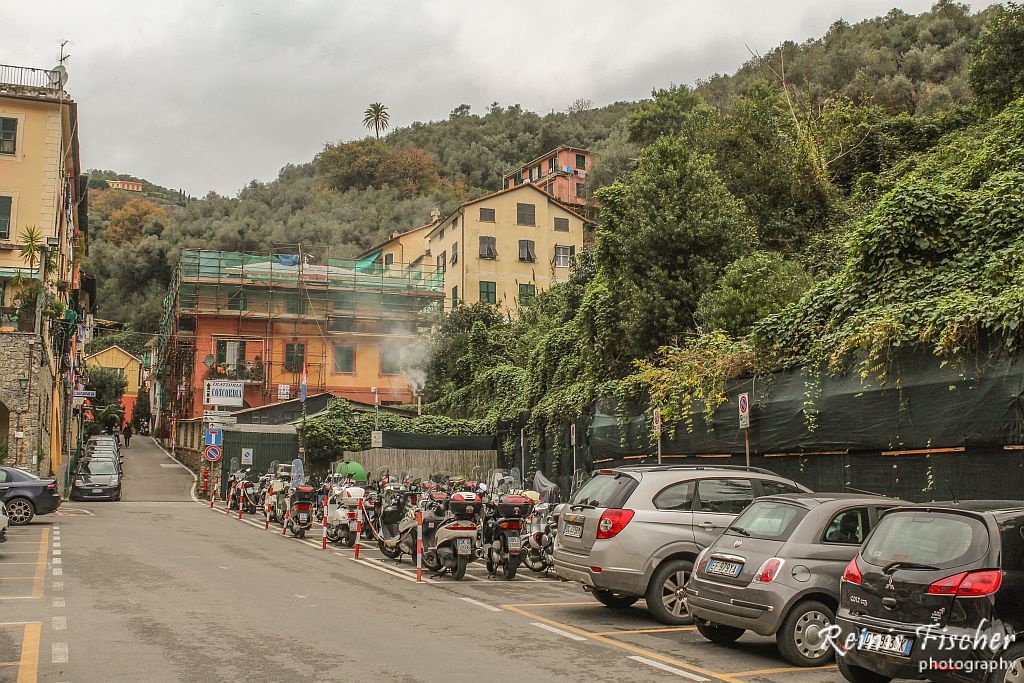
227, 508
324, 546
284, 522
419, 546
240, 492
359, 526
267, 527
213, 496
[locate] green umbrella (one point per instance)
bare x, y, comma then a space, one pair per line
351, 469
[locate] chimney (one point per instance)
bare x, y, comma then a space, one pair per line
435, 215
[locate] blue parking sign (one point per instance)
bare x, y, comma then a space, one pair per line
214, 437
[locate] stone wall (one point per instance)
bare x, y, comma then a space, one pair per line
28, 425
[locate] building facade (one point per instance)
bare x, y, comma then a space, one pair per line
45, 298
563, 173
266, 320
127, 185
130, 368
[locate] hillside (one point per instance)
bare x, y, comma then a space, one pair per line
869, 94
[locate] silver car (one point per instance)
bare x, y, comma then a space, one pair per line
4, 522
633, 532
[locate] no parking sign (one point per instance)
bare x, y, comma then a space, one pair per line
744, 402
212, 453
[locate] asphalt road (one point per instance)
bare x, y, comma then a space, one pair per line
175, 591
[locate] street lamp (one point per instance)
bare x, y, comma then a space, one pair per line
23, 383
376, 409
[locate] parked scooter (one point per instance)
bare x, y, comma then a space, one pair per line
277, 493
343, 513
241, 491
506, 508
543, 526
302, 501
396, 498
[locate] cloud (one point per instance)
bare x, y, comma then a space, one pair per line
203, 95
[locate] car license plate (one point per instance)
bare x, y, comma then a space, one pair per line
572, 530
462, 546
303, 517
97, 490
353, 524
890, 643
722, 568
514, 544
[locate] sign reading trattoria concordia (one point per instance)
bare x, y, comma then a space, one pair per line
218, 392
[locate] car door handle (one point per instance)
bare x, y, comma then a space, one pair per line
707, 525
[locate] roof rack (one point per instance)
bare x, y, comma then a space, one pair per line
668, 468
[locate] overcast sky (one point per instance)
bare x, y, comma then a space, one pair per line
203, 95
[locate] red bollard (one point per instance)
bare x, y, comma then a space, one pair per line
239, 507
325, 524
359, 527
213, 497
267, 527
419, 546
227, 508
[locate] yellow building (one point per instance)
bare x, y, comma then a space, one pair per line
43, 295
128, 365
505, 247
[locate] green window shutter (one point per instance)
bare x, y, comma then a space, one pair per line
527, 292
488, 292
222, 351
344, 358
390, 361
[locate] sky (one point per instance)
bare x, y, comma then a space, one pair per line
206, 95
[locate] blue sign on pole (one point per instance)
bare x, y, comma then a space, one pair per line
214, 437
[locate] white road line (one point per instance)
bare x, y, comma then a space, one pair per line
482, 604
56, 544
56, 553
57, 560
58, 585
195, 479
59, 623
566, 634
221, 567
372, 564
667, 668
59, 653
57, 571
58, 602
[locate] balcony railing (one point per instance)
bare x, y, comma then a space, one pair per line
28, 77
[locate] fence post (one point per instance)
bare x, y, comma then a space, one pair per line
359, 526
324, 547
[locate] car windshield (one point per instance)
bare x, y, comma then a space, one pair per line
609, 490
770, 520
97, 467
936, 539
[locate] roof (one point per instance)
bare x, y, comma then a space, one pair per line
520, 167
818, 499
516, 188
973, 505
265, 429
394, 236
277, 404
113, 346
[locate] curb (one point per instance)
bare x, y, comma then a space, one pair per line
195, 478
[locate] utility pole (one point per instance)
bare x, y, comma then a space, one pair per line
376, 409
657, 430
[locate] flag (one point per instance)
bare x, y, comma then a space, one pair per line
302, 385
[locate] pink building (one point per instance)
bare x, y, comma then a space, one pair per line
563, 173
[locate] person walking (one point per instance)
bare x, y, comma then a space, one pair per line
127, 434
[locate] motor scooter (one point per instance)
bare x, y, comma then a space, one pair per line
542, 526
343, 513
302, 501
506, 507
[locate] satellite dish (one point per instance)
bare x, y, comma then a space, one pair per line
208, 361
58, 76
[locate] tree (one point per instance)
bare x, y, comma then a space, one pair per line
677, 110
126, 223
142, 411
376, 118
109, 385
31, 245
997, 71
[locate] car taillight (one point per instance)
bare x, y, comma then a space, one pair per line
769, 570
612, 522
52, 486
511, 524
968, 584
304, 507
852, 573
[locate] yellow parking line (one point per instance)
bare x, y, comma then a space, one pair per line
646, 630
686, 666
28, 668
786, 670
37, 585
16, 578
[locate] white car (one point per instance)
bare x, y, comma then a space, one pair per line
3, 522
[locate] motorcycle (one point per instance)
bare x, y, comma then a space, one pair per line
543, 526
343, 513
277, 493
302, 501
241, 491
506, 507
396, 498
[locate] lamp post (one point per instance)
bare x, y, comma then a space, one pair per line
376, 409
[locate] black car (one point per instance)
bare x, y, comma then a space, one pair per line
97, 479
937, 593
26, 495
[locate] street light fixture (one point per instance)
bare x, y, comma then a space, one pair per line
23, 383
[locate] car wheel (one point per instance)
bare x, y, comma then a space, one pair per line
20, 511
718, 633
802, 638
613, 599
665, 592
856, 674
1014, 672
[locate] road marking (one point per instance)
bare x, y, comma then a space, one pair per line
37, 580
554, 604
667, 668
481, 604
16, 578
58, 585
57, 571
376, 564
59, 653
56, 553
56, 544
195, 478
58, 602
565, 634
171, 465
221, 567
17, 623
301, 596
57, 560
646, 630
59, 623
786, 670
28, 667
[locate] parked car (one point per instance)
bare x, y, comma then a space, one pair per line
776, 570
26, 495
96, 479
4, 522
101, 454
937, 592
633, 532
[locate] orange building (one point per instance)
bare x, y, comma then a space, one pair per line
129, 185
260, 320
563, 173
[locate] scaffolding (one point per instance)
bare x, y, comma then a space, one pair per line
252, 299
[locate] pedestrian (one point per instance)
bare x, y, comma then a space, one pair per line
117, 433
127, 434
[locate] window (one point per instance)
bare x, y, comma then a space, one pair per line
6, 204
519, 181
527, 292
488, 292
455, 253
725, 496
390, 361
294, 357
388, 260
581, 162
455, 222
562, 224
295, 302
676, 497
230, 353
442, 262
8, 136
488, 247
552, 164
943, 540
526, 214
774, 488
606, 490
487, 215
550, 189
581, 189
344, 359
237, 300
849, 527
768, 520
440, 236
527, 251
564, 255
455, 297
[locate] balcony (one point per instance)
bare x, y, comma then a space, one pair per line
249, 372
24, 80
17, 320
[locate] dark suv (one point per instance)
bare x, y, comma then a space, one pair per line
937, 593
26, 495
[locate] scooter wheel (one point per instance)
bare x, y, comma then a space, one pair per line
534, 564
460, 569
511, 566
301, 533
391, 554
348, 539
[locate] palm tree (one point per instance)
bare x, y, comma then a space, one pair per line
376, 118
31, 245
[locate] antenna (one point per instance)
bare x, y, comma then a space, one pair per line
57, 76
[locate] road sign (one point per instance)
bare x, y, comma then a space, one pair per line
744, 402
246, 456
657, 420
217, 392
572, 434
284, 392
214, 437
376, 439
84, 393
212, 453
